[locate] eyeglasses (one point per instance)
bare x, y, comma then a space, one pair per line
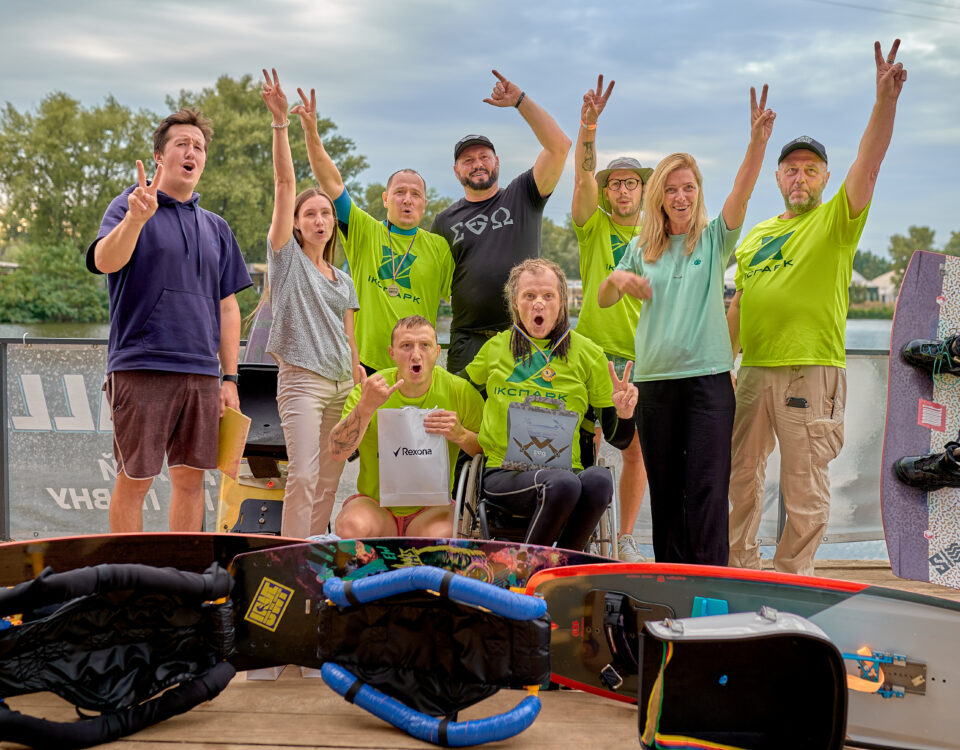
630, 184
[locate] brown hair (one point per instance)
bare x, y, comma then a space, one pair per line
519, 346
407, 170
655, 234
330, 249
410, 322
184, 117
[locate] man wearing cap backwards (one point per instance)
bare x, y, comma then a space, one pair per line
606, 216
789, 313
491, 229
398, 269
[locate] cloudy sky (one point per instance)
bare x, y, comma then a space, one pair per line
406, 79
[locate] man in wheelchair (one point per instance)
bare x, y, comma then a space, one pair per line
533, 464
456, 410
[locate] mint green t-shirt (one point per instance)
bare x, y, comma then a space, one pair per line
447, 392
682, 329
581, 379
795, 276
602, 246
377, 262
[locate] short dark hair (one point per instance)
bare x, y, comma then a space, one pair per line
409, 322
407, 170
184, 117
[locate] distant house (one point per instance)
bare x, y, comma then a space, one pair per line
886, 288
575, 293
866, 291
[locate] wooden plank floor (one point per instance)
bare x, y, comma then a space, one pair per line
296, 712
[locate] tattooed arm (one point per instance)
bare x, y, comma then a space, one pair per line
585, 190
345, 437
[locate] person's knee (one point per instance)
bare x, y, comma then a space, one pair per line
185, 479
356, 522
597, 486
561, 489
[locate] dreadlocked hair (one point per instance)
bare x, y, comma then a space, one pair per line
519, 346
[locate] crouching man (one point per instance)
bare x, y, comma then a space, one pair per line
457, 410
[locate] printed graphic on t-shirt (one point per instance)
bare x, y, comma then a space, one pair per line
478, 224
619, 246
527, 368
392, 268
769, 256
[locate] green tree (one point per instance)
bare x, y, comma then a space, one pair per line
52, 284
953, 245
61, 164
902, 248
371, 201
558, 242
237, 182
870, 265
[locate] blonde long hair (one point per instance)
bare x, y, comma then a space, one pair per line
655, 235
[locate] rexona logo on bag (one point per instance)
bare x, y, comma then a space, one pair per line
414, 465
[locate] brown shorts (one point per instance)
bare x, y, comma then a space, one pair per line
163, 412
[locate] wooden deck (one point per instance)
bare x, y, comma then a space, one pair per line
298, 712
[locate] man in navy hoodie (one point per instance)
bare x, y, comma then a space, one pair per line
173, 271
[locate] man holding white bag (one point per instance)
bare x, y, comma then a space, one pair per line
450, 411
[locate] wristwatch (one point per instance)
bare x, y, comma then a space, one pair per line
231, 378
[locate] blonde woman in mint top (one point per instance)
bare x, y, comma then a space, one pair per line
311, 337
685, 404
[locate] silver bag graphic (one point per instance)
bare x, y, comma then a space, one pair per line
414, 464
540, 436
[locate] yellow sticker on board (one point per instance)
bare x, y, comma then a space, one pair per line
269, 604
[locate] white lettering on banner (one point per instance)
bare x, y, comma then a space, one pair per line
37, 418
108, 466
101, 499
80, 419
59, 497
81, 496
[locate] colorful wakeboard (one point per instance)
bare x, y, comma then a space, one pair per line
922, 529
278, 590
908, 637
192, 552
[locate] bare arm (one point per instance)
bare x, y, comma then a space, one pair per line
585, 190
447, 423
761, 125
284, 178
549, 165
862, 177
348, 328
345, 437
733, 322
229, 350
324, 170
114, 251
619, 283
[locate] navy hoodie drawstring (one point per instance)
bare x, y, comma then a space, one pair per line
192, 205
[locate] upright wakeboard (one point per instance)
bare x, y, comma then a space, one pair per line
922, 529
908, 637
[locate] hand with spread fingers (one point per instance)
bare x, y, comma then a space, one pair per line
505, 93
624, 392
142, 201
594, 102
274, 97
890, 76
633, 284
375, 390
307, 111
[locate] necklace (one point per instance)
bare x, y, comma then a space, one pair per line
394, 289
547, 373
633, 229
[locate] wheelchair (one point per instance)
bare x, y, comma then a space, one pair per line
478, 517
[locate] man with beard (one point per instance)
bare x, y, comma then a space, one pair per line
789, 313
491, 229
606, 216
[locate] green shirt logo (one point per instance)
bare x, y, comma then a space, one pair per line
770, 249
619, 247
388, 264
526, 369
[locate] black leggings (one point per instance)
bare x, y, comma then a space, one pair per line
564, 507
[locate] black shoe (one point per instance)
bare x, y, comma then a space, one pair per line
930, 472
934, 355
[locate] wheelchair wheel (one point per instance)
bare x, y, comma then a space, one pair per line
465, 522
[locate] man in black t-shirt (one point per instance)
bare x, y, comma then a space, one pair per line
491, 229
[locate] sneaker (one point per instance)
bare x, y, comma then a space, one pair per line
934, 355
932, 471
627, 550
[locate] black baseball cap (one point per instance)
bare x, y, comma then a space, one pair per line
471, 140
806, 142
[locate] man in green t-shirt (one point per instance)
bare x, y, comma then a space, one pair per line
398, 269
606, 216
457, 411
789, 314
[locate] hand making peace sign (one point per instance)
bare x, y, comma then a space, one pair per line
307, 111
624, 392
142, 202
274, 97
594, 101
761, 118
890, 76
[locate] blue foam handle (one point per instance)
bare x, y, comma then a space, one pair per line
423, 577
425, 727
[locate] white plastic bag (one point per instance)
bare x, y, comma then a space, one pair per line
414, 465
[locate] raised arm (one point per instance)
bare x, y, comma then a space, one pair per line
761, 125
113, 252
549, 165
862, 177
585, 190
619, 283
324, 170
284, 178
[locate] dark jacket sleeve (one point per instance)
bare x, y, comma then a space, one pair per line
618, 432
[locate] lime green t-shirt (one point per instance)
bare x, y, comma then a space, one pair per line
602, 245
447, 392
581, 380
795, 277
682, 330
377, 262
